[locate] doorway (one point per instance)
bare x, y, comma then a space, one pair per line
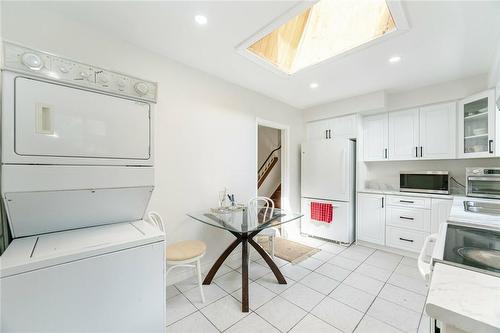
269, 162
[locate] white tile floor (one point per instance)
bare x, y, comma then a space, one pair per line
339, 289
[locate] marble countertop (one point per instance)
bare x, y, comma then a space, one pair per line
408, 194
458, 214
464, 298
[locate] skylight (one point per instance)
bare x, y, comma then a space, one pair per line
327, 29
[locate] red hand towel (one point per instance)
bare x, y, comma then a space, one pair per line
322, 212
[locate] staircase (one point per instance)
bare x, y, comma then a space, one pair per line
276, 197
268, 168
269, 178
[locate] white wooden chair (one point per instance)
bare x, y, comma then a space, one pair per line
268, 205
182, 254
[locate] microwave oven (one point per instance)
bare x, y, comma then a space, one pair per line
436, 182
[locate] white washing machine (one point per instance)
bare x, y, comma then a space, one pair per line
77, 177
99, 279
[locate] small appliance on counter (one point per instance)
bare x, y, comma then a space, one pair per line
435, 182
483, 182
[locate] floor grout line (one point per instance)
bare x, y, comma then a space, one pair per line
375, 298
276, 295
328, 295
197, 309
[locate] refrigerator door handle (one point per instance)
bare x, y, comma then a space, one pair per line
344, 162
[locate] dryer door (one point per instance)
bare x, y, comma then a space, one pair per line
52, 120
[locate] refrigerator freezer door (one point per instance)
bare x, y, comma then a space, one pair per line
341, 229
326, 169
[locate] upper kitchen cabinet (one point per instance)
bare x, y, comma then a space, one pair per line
476, 125
375, 137
438, 131
404, 135
345, 127
317, 130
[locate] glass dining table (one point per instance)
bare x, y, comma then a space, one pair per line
244, 224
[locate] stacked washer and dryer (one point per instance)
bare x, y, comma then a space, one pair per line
76, 179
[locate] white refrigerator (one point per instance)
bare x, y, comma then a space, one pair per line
328, 177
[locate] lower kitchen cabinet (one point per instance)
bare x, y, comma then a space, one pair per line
370, 225
399, 221
405, 239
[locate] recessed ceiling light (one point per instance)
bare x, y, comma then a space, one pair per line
201, 19
313, 85
394, 59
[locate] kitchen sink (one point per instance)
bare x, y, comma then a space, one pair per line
491, 208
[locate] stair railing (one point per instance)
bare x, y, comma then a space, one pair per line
267, 166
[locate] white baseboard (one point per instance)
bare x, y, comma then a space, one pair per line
388, 249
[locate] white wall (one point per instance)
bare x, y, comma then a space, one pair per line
443, 92
205, 127
368, 103
382, 101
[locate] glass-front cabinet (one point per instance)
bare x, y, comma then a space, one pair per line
476, 125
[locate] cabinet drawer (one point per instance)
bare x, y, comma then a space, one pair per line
415, 202
412, 218
405, 239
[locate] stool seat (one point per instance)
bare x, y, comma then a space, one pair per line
185, 250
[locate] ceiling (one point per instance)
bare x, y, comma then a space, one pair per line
447, 40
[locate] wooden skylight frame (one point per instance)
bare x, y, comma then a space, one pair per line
307, 35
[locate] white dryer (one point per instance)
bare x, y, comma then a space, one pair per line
77, 176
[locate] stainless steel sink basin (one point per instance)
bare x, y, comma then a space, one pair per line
491, 208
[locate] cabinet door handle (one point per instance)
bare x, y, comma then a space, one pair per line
406, 218
421, 151
490, 146
382, 202
406, 201
416, 151
385, 153
329, 134
406, 240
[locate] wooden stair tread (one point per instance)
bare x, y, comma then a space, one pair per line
268, 171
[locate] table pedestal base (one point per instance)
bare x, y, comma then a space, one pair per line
244, 239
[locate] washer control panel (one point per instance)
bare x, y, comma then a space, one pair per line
22, 59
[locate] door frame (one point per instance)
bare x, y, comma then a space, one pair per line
285, 159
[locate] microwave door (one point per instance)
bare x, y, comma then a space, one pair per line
424, 183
